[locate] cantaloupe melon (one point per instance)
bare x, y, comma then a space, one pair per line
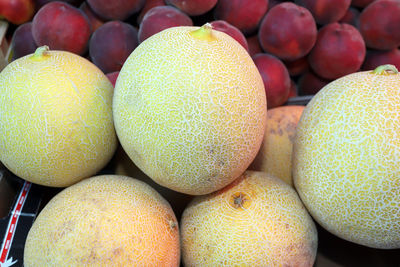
346, 157
106, 220
275, 154
190, 108
56, 124
258, 220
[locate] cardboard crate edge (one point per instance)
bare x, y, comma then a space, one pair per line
14, 227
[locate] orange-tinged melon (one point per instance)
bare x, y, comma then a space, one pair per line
346, 157
275, 154
190, 108
56, 124
106, 220
258, 220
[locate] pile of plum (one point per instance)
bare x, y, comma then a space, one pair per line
298, 46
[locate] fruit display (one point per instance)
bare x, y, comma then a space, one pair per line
202, 132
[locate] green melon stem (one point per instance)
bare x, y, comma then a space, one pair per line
40, 52
204, 32
385, 69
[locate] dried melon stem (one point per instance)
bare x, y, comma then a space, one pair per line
240, 200
172, 224
385, 69
204, 33
40, 52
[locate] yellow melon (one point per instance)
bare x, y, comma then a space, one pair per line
275, 154
56, 124
190, 108
106, 220
346, 157
258, 220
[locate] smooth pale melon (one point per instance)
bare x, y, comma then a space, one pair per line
190, 108
275, 154
346, 157
56, 124
258, 220
107, 220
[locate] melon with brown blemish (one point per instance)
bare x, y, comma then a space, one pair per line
258, 220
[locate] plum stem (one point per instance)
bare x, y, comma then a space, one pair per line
203, 33
384, 69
